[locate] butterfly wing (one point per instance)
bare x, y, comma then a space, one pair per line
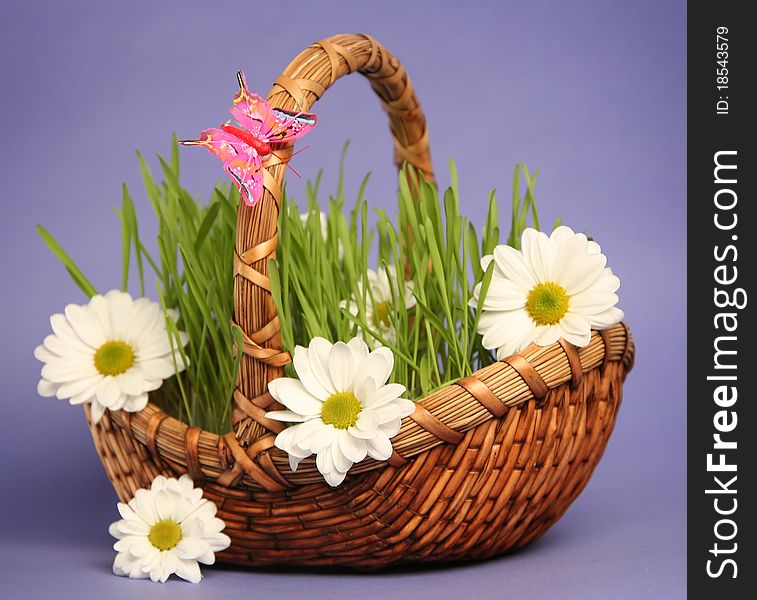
290, 125
241, 163
217, 142
246, 170
253, 112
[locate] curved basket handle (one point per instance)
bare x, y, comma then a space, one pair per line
303, 82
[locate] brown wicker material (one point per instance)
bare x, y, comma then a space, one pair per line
483, 465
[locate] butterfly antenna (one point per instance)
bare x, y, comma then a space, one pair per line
298, 151
281, 158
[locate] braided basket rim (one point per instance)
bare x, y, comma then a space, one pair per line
208, 456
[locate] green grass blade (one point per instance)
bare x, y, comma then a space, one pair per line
73, 270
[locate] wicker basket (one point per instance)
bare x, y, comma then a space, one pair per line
483, 466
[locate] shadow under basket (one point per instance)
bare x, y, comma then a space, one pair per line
483, 466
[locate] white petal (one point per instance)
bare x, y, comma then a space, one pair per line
144, 505
324, 437
391, 428
170, 562
147, 317
135, 403
307, 376
502, 327
141, 547
191, 547
46, 388
218, 542
486, 261
407, 407
366, 425
97, 411
607, 281
324, 462
186, 484
85, 325
578, 340
158, 368
156, 346
294, 461
99, 310
386, 393
581, 272
292, 394
341, 366
318, 356
62, 328
109, 395
378, 365
43, 354
561, 234
395, 410
512, 264
165, 505
365, 390
354, 449
130, 382
126, 565
594, 248
133, 526
86, 386
359, 350
379, 447
189, 570
157, 484
285, 441
121, 308
341, 462
548, 334
62, 370
286, 416
334, 478
592, 302
607, 318
504, 294
304, 431
63, 349
537, 248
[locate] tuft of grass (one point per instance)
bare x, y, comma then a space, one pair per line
428, 238
192, 272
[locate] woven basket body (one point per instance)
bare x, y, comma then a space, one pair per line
483, 466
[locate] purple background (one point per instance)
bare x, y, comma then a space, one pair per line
590, 93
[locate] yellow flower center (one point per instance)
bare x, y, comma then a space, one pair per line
381, 314
341, 410
547, 303
114, 358
165, 534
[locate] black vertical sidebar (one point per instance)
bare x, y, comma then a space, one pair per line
722, 382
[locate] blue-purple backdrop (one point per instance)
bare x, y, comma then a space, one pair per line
591, 93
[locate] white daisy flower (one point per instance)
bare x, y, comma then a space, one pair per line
167, 529
343, 407
378, 313
556, 286
110, 352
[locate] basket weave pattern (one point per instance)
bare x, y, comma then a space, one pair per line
484, 465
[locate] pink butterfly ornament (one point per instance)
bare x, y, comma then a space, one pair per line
243, 145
